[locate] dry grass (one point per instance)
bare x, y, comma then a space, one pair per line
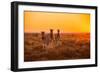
70, 46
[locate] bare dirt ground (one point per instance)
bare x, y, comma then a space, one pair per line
70, 46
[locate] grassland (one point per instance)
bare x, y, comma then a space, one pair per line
70, 46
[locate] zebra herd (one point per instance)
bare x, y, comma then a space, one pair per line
51, 39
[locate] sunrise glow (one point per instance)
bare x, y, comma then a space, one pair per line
66, 22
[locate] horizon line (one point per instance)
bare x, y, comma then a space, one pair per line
56, 32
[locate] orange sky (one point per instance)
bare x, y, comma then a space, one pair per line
66, 22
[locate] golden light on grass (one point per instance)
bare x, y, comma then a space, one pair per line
66, 22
